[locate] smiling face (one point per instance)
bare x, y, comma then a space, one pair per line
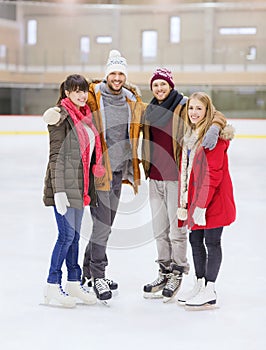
78, 97
115, 81
160, 89
196, 111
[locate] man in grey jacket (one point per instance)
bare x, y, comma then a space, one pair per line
118, 123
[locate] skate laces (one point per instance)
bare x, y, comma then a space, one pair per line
108, 281
173, 281
83, 289
62, 292
158, 280
101, 285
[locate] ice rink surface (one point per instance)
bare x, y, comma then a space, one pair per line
28, 232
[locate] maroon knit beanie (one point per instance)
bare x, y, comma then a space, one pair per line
163, 74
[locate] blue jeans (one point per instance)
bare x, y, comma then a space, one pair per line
66, 247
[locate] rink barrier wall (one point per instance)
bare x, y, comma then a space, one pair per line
13, 125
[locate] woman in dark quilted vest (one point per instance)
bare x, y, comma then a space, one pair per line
75, 157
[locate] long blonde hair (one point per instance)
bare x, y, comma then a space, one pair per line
203, 126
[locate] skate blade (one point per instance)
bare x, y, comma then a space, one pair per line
83, 303
156, 295
58, 306
105, 302
169, 299
115, 292
201, 307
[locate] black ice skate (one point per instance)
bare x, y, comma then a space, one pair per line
101, 289
112, 284
87, 282
153, 290
173, 283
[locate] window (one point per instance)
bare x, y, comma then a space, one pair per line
175, 30
85, 44
104, 39
149, 43
32, 32
252, 53
84, 48
3, 51
238, 31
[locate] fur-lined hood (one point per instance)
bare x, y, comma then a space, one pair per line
228, 132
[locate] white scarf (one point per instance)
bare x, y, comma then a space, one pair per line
190, 144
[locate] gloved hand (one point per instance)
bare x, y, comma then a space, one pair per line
199, 216
52, 115
211, 137
61, 202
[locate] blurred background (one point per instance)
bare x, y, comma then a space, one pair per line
218, 47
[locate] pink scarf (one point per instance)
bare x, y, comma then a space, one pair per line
79, 117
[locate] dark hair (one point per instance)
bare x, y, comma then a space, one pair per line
74, 82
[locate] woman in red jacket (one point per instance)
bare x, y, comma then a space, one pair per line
206, 200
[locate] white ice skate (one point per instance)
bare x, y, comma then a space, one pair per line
55, 296
204, 300
76, 290
183, 297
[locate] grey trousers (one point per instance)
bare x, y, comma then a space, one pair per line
95, 258
171, 241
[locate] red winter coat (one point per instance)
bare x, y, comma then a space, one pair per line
210, 187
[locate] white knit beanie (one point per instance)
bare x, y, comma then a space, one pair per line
116, 63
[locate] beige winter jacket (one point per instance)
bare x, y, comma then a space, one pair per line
136, 108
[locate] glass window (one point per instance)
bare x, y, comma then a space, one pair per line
31, 32
84, 48
149, 43
175, 29
2, 51
104, 39
238, 31
252, 54
85, 44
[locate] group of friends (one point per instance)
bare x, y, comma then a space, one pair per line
94, 135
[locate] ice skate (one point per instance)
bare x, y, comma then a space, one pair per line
76, 290
112, 284
154, 290
87, 282
173, 283
102, 290
54, 293
183, 297
204, 300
